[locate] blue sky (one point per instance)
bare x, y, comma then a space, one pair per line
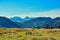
32, 8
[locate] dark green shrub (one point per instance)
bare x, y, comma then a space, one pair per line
28, 33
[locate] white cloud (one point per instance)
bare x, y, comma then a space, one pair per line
50, 13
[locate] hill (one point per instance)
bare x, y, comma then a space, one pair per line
6, 23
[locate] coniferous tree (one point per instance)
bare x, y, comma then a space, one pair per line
58, 26
47, 26
37, 27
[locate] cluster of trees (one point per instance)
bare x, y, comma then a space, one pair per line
47, 27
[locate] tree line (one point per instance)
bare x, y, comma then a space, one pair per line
47, 27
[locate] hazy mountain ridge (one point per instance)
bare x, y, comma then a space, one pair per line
6, 23
42, 21
19, 19
29, 23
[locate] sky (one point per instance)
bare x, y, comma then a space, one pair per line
32, 8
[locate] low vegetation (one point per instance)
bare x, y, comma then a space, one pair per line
29, 34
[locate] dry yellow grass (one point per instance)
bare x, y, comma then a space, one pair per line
29, 34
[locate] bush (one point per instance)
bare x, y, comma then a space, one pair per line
36, 39
52, 38
37, 27
47, 26
28, 33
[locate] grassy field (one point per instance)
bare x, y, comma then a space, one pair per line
29, 34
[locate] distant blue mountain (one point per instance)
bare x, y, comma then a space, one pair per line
27, 18
41, 22
6, 23
16, 19
19, 19
17, 22
57, 21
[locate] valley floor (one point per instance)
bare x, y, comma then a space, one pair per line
29, 34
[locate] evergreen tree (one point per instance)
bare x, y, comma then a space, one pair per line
37, 27
47, 26
58, 26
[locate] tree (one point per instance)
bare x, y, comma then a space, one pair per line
37, 27
58, 26
51, 27
47, 26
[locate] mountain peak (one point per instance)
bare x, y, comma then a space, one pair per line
7, 23
27, 18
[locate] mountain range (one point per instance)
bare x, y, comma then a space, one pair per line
28, 22
7, 23
19, 19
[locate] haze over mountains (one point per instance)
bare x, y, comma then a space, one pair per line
19, 19
28, 22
